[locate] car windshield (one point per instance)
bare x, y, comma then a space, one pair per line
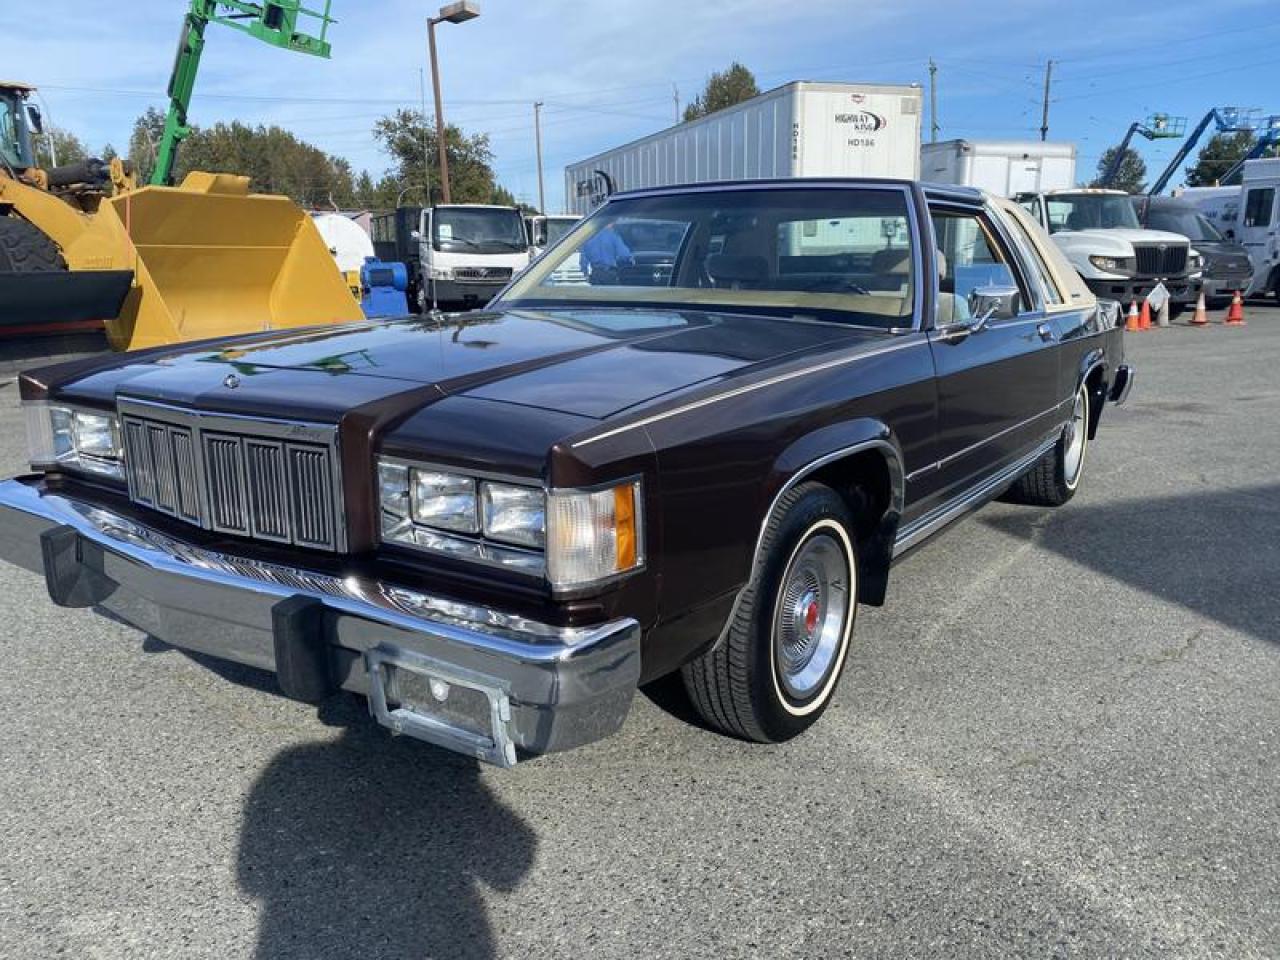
557, 229
478, 230
1186, 222
1090, 211
842, 255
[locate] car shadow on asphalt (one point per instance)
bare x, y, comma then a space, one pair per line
375, 846
1215, 552
371, 845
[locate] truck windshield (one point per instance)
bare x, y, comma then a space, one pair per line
478, 230
558, 228
1186, 222
840, 255
1090, 211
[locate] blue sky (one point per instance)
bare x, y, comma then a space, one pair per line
606, 71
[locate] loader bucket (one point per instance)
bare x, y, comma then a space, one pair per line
211, 259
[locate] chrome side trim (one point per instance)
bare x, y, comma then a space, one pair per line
931, 522
938, 464
917, 339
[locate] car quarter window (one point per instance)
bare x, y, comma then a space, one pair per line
1034, 259
970, 256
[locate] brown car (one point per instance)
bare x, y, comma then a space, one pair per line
699, 456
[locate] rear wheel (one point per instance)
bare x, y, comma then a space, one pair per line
24, 249
775, 671
1056, 476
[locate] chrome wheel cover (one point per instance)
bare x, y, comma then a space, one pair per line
811, 616
1076, 440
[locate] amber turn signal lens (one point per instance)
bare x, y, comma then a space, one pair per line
624, 518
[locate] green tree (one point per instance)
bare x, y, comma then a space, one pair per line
59, 143
410, 142
723, 89
1219, 155
1132, 175
144, 141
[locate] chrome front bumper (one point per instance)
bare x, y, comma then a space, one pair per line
514, 683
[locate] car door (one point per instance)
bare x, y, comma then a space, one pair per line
998, 386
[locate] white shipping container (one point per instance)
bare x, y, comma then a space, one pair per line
801, 129
1005, 168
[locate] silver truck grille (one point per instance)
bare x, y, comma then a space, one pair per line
481, 274
253, 478
1161, 260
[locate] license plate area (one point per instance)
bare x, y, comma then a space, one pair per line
418, 696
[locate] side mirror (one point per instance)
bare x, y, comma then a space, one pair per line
995, 302
35, 118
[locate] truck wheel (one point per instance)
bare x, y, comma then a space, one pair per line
1056, 476
775, 671
24, 249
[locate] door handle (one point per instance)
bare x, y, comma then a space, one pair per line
1045, 331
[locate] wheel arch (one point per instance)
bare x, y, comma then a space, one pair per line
862, 461
1093, 375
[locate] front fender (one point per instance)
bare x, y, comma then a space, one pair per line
834, 442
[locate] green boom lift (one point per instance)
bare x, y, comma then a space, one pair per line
274, 21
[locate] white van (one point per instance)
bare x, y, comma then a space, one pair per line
1249, 214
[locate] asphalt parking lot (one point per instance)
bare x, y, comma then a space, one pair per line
1061, 738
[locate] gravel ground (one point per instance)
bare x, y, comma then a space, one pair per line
1059, 739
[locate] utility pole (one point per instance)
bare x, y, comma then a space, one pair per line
675, 96
537, 137
1044, 115
933, 101
458, 12
426, 145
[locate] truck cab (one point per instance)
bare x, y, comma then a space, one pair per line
1101, 235
1250, 215
18, 119
458, 255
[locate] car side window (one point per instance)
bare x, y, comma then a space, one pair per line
969, 258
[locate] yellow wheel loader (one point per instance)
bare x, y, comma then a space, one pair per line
81, 243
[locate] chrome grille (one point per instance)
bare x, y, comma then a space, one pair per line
482, 274
1161, 261
251, 478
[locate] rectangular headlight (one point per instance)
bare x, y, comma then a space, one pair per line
74, 439
593, 536
514, 514
443, 501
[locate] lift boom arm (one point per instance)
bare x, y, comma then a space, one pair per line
271, 21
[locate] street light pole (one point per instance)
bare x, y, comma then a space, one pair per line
537, 137
450, 13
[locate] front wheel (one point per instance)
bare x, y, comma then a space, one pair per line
774, 672
1056, 476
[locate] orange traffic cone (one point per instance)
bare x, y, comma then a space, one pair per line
1144, 318
1235, 315
1131, 321
1201, 317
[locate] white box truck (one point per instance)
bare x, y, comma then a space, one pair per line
1003, 167
801, 129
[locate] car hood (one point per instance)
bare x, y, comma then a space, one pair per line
1128, 235
590, 363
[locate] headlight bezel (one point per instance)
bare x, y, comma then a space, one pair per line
497, 546
1121, 266
50, 424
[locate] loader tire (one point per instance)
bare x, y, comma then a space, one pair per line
24, 249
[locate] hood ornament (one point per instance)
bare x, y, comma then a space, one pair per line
231, 381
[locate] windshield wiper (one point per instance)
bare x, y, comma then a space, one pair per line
469, 243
